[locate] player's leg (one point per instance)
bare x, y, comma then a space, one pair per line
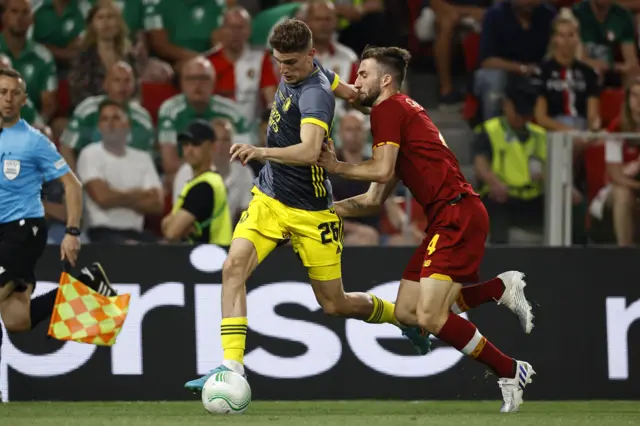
317, 238
255, 236
506, 289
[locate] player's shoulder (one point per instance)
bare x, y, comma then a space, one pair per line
173, 106
89, 106
30, 134
318, 82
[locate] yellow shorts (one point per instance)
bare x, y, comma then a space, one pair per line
316, 236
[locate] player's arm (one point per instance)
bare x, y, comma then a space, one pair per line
369, 203
350, 94
316, 107
380, 168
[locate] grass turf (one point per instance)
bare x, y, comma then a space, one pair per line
325, 413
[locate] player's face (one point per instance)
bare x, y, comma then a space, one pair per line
566, 38
369, 82
294, 67
197, 83
120, 84
13, 96
17, 17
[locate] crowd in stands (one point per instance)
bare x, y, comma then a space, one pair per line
114, 83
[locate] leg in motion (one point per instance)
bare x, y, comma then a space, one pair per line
436, 297
506, 289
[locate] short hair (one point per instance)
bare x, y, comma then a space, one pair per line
11, 73
107, 103
291, 36
395, 60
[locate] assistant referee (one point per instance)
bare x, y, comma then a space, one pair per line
28, 159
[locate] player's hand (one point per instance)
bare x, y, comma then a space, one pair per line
69, 249
327, 159
246, 153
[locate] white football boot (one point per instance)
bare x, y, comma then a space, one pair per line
512, 389
514, 298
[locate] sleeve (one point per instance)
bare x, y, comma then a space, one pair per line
613, 151
167, 131
199, 201
152, 19
481, 145
151, 178
316, 107
267, 75
88, 166
627, 33
386, 124
71, 135
489, 43
49, 160
334, 78
593, 87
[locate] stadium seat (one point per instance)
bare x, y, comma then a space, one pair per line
64, 98
595, 169
154, 94
610, 104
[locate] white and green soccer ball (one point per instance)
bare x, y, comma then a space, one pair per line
226, 392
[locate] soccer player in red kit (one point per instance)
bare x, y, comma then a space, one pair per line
408, 147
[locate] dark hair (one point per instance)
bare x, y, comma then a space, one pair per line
393, 59
107, 103
291, 36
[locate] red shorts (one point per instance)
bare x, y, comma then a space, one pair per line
454, 245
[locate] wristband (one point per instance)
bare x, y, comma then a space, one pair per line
72, 230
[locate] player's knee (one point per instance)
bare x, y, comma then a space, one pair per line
431, 320
234, 267
332, 309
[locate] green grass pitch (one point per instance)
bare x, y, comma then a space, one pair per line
326, 413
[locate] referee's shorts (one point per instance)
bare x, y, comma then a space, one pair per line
22, 242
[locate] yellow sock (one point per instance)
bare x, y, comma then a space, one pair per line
382, 312
233, 332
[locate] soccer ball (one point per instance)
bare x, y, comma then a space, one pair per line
226, 392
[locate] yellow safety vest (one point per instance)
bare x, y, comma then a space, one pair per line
511, 158
220, 228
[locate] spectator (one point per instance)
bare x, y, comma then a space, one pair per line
82, 129
615, 208
320, 16
449, 15
121, 182
201, 213
28, 113
34, 61
180, 30
606, 27
515, 36
510, 154
104, 44
238, 180
569, 93
57, 24
361, 231
197, 81
53, 201
256, 165
263, 22
243, 73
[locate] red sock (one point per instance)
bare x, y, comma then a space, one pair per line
475, 295
465, 337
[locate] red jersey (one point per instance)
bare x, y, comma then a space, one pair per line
425, 164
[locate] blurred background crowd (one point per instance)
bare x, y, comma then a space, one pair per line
113, 83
